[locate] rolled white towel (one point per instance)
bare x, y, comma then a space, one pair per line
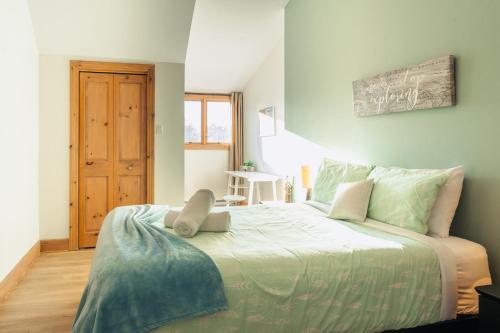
215, 221
171, 216
194, 213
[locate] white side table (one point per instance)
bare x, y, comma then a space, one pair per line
253, 179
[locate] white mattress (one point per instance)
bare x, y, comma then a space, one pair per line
472, 271
468, 259
446, 262
464, 266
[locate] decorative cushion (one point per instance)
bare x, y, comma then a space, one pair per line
351, 201
404, 197
331, 173
446, 203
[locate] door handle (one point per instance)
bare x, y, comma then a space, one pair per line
130, 167
89, 163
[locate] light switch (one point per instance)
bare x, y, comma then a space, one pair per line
160, 129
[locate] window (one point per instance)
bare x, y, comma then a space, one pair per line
192, 121
208, 121
219, 122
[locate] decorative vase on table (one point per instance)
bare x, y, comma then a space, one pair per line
288, 189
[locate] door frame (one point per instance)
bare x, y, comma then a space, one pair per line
76, 67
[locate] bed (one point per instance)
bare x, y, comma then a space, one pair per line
471, 271
289, 268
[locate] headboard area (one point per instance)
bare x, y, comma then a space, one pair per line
330, 44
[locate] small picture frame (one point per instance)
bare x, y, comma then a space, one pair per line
267, 121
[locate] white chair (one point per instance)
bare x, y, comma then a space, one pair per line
233, 199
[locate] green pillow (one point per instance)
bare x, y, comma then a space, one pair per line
403, 197
331, 173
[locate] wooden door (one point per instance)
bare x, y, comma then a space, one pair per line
130, 142
112, 150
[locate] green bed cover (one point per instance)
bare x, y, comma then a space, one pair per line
290, 269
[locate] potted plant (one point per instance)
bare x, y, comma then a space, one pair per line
248, 166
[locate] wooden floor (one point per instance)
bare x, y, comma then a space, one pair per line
47, 298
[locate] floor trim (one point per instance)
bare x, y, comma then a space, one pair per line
18, 272
54, 245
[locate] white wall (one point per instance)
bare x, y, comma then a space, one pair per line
205, 169
169, 147
54, 147
265, 88
18, 134
284, 153
54, 141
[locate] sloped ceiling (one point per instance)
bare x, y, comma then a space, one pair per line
148, 30
229, 40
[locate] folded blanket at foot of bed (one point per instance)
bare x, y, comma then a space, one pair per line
143, 277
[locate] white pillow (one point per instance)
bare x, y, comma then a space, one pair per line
446, 204
351, 201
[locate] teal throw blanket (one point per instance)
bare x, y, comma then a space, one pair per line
143, 277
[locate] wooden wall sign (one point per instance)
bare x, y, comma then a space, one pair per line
428, 85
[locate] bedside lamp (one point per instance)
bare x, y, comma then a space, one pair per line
306, 179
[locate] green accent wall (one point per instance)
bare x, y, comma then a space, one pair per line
330, 43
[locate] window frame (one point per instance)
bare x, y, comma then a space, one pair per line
204, 98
